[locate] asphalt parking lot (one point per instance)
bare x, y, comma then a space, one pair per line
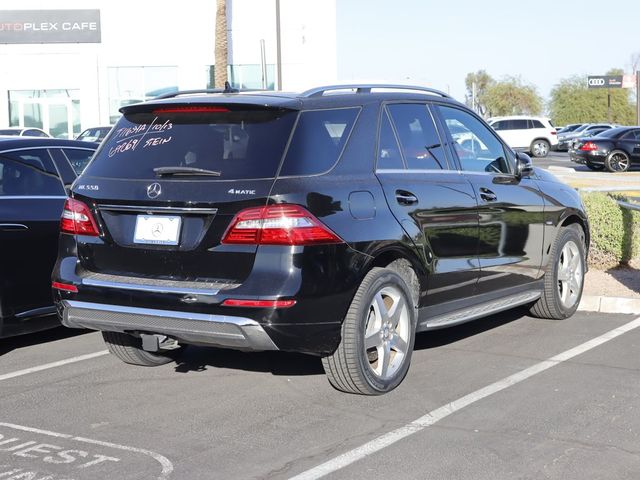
225, 414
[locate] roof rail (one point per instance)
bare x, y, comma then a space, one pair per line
366, 88
227, 89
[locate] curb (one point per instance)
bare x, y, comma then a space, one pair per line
597, 303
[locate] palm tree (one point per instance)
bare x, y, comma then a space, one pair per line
221, 50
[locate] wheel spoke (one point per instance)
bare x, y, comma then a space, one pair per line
372, 339
564, 274
380, 308
574, 263
398, 344
396, 311
384, 358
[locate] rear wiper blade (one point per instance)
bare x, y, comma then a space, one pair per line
169, 171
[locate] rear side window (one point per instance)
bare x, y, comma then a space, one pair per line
318, 141
418, 136
519, 125
537, 124
389, 157
29, 173
243, 143
78, 158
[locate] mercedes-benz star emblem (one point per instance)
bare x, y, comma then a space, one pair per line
156, 230
154, 190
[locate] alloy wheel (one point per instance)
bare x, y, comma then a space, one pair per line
570, 274
387, 332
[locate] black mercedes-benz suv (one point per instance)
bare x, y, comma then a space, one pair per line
336, 222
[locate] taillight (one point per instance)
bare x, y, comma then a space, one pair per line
278, 225
77, 219
553, 132
65, 287
589, 147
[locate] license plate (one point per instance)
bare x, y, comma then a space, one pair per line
157, 230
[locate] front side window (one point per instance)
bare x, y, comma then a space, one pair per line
28, 173
418, 136
476, 146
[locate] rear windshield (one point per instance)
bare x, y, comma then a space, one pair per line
240, 144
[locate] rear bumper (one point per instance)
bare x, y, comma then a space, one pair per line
592, 158
218, 330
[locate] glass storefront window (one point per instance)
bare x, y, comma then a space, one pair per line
128, 85
56, 111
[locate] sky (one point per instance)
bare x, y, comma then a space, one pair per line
436, 43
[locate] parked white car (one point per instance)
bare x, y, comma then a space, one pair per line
535, 135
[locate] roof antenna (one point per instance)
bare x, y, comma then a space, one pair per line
228, 88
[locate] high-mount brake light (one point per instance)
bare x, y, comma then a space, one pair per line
282, 224
194, 109
77, 219
589, 147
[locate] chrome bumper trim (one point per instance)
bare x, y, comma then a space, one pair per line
199, 328
92, 282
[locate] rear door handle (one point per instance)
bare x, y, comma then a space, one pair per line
406, 198
487, 195
13, 226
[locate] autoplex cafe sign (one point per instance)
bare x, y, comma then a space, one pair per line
611, 81
50, 26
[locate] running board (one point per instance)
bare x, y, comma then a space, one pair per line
477, 311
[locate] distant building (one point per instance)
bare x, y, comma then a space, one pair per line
75, 64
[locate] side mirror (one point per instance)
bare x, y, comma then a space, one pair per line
524, 165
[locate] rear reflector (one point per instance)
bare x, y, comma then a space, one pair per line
194, 109
589, 147
77, 219
66, 287
282, 224
230, 302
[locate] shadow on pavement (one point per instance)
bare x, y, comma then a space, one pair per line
446, 336
197, 359
627, 276
30, 339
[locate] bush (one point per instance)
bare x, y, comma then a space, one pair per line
615, 231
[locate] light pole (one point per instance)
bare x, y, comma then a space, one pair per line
278, 49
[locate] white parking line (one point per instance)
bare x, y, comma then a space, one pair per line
438, 414
47, 366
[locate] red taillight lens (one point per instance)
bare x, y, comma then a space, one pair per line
231, 302
278, 225
66, 287
553, 132
77, 219
194, 109
589, 147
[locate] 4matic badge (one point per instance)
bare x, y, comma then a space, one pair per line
233, 191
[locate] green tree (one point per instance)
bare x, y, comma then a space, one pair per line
511, 96
221, 44
483, 81
573, 102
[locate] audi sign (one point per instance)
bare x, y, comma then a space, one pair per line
604, 81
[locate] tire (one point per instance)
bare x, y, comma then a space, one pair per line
617, 161
353, 368
595, 168
563, 279
540, 148
129, 349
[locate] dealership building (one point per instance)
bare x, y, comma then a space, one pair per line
73, 65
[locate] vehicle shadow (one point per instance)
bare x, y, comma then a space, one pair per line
28, 340
446, 336
197, 359
627, 276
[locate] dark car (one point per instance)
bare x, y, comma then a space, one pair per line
616, 150
565, 139
336, 222
94, 134
33, 175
